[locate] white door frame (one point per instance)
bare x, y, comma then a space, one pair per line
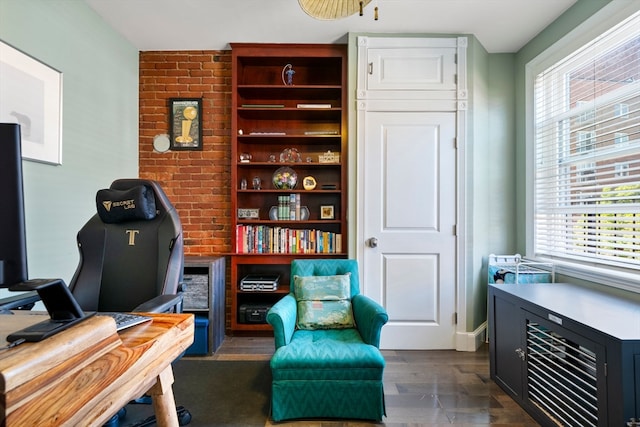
464, 340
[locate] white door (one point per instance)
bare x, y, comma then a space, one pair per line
407, 211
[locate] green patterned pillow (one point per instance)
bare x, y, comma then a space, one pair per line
324, 302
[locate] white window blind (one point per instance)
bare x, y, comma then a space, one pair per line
587, 153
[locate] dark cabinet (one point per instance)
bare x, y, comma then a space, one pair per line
204, 296
569, 355
507, 345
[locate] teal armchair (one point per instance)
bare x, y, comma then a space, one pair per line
325, 372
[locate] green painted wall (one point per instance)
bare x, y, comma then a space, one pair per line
100, 122
492, 184
490, 178
475, 207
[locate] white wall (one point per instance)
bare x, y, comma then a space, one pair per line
100, 122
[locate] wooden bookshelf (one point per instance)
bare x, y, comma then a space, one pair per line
300, 126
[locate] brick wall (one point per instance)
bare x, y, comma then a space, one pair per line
197, 182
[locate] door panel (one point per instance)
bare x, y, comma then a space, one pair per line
399, 276
411, 69
409, 208
406, 166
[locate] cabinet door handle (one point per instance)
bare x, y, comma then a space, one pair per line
521, 353
370, 67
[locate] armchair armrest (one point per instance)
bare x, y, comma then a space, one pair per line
161, 304
282, 316
370, 317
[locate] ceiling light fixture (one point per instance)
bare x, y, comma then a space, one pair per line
335, 9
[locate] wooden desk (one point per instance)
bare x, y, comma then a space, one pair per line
84, 375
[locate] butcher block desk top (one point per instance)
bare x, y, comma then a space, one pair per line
85, 374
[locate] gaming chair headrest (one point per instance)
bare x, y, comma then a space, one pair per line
131, 200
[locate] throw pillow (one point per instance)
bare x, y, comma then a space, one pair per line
324, 302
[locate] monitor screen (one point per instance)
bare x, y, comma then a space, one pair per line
13, 246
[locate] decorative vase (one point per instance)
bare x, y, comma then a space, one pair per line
285, 178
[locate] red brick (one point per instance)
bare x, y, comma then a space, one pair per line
197, 182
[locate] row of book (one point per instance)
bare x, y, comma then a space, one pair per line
263, 239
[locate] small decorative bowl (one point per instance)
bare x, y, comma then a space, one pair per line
285, 178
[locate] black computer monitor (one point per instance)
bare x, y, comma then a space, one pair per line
55, 295
13, 245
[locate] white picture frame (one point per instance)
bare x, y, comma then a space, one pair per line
31, 95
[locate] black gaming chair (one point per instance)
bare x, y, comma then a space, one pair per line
131, 254
131, 251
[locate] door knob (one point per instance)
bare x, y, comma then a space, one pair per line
372, 242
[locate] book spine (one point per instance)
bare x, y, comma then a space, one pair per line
286, 211
294, 241
239, 238
280, 208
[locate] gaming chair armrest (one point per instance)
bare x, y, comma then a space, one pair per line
161, 304
24, 301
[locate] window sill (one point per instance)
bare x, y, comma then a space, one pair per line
606, 276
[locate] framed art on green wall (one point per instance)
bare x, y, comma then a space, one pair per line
185, 121
31, 96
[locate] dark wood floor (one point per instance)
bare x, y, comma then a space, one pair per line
422, 388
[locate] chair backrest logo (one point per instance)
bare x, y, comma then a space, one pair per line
132, 236
124, 204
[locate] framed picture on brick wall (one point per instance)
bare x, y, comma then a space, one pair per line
185, 121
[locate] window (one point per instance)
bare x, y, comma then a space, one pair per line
585, 154
586, 172
622, 110
586, 141
622, 169
620, 138
586, 114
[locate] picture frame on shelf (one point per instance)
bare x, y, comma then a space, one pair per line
327, 212
329, 157
185, 122
248, 213
32, 97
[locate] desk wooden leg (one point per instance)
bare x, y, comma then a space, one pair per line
164, 403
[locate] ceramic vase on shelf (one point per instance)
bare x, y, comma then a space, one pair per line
285, 178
